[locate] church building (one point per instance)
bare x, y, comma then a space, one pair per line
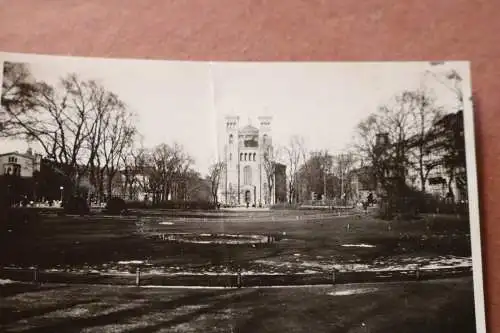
249, 177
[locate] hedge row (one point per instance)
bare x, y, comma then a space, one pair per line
198, 205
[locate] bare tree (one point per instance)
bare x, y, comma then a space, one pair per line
214, 175
118, 135
269, 163
132, 170
293, 154
194, 187
343, 168
425, 115
103, 142
326, 163
19, 92
390, 160
166, 164
61, 121
69, 120
143, 170
181, 176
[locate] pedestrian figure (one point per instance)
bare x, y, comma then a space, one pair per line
365, 206
369, 199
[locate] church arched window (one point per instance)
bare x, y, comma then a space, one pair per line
230, 156
254, 155
245, 156
241, 156
247, 175
231, 139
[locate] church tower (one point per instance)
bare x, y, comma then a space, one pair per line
265, 134
231, 152
266, 155
245, 180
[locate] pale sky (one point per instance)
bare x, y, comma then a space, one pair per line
185, 102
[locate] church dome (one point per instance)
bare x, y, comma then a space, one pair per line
249, 130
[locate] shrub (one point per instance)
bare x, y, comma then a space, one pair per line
285, 206
137, 204
76, 205
172, 204
116, 205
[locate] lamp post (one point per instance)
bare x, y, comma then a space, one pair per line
255, 195
62, 189
341, 169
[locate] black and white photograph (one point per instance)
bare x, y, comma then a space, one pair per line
240, 197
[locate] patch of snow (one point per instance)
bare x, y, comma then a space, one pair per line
54, 270
348, 292
6, 281
309, 271
116, 272
357, 245
137, 262
184, 287
75, 312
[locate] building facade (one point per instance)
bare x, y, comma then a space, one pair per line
443, 162
18, 176
446, 143
23, 165
248, 157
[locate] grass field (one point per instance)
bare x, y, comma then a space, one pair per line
223, 242
438, 306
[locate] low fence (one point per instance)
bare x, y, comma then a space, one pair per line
234, 280
334, 202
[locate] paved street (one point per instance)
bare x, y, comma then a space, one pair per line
437, 306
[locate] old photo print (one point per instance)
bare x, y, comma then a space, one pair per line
177, 196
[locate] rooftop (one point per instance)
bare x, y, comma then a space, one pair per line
249, 129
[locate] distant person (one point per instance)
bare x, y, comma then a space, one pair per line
365, 206
370, 199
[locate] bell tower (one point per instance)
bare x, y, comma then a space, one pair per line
231, 152
265, 139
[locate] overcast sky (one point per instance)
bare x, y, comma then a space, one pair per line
185, 102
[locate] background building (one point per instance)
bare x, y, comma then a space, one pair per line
23, 165
249, 165
18, 176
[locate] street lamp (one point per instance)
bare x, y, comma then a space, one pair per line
255, 195
62, 189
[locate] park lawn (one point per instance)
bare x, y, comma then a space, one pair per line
311, 240
432, 306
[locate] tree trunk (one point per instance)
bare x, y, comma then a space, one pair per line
422, 182
109, 185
